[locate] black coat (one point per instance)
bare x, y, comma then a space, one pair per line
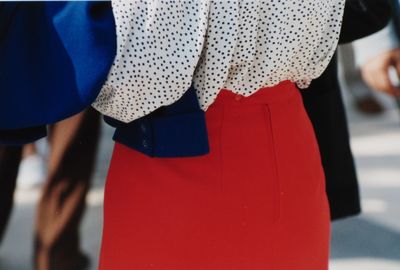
324, 104
396, 15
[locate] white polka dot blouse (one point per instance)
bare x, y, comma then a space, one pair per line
165, 46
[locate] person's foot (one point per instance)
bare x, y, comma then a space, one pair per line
32, 171
368, 105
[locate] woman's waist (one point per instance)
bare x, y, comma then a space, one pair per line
264, 95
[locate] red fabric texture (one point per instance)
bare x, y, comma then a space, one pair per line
256, 202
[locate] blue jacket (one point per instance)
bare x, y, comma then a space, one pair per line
54, 58
50, 69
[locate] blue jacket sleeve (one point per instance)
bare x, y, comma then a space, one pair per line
54, 58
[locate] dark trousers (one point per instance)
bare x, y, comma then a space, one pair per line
73, 145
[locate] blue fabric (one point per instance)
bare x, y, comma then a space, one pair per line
177, 130
54, 58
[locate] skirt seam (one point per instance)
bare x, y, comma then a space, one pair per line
277, 179
221, 156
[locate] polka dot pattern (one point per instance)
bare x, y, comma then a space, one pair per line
241, 45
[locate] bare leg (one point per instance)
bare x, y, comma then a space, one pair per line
72, 158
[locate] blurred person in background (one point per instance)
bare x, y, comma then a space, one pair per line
380, 53
324, 104
73, 146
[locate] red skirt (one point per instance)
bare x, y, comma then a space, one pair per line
256, 202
